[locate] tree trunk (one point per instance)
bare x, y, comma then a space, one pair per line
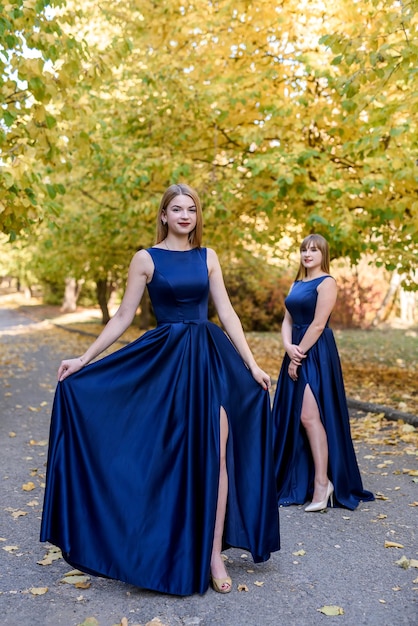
104, 290
385, 308
71, 293
408, 306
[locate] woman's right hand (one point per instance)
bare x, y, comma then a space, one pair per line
260, 376
69, 366
295, 354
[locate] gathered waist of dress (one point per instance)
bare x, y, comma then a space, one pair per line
161, 322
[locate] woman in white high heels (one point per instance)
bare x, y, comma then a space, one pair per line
314, 454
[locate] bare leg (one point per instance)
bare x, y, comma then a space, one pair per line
217, 565
317, 437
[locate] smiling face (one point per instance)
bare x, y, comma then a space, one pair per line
181, 215
314, 256
311, 256
180, 212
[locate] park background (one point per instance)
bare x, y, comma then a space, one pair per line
287, 117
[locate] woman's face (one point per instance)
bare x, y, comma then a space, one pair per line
181, 215
311, 256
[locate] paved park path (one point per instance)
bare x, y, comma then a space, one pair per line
338, 558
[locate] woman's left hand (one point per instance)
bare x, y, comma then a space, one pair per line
261, 377
293, 370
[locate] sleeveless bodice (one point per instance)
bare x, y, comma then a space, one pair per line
301, 301
179, 288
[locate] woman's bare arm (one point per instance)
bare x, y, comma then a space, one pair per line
140, 272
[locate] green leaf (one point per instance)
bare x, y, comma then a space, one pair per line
37, 86
9, 118
337, 60
50, 121
51, 191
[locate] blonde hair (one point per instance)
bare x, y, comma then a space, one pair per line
322, 244
195, 237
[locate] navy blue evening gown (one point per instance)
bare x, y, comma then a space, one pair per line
133, 461
321, 370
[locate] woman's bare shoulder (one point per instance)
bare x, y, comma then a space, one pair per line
142, 262
329, 284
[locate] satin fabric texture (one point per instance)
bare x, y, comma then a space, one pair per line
321, 370
133, 460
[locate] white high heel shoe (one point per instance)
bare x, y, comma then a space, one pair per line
320, 506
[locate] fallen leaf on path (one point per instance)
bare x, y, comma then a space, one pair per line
408, 428
43, 442
17, 514
12, 434
258, 583
83, 585
403, 562
79, 581
38, 591
28, 486
53, 554
242, 588
331, 610
74, 572
299, 553
11, 548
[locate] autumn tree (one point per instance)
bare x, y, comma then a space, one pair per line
287, 117
279, 134
374, 139
40, 63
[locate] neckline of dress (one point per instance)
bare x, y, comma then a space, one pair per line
312, 279
167, 250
